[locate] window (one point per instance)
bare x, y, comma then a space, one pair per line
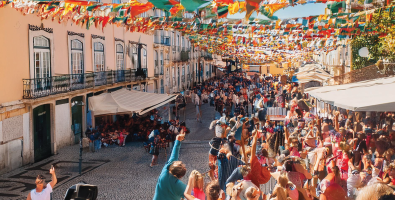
77, 66
144, 59
133, 56
173, 41
120, 57
98, 57
116, 1
42, 60
178, 40
156, 59
161, 62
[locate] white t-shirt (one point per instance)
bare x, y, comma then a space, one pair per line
45, 194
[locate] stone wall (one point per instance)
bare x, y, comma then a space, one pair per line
14, 142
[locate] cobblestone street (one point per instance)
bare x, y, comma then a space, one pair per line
119, 173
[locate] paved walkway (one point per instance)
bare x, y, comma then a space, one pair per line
119, 173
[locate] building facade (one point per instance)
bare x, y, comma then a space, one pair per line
49, 70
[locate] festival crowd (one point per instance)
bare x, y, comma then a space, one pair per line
310, 153
151, 129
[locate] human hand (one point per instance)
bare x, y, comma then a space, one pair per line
52, 170
180, 137
192, 175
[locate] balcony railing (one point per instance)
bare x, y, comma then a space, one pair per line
41, 87
162, 90
183, 78
174, 48
178, 48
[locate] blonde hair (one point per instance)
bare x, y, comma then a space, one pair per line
245, 169
252, 193
282, 194
375, 191
198, 181
389, 151
283, 180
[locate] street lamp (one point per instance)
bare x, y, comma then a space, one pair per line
78, 103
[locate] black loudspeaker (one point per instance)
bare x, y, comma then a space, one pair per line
81, 191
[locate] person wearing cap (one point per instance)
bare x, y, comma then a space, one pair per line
42, 191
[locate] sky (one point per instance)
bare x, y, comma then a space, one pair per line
305, 10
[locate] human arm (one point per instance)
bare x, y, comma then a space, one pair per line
176, 149
337, 113
235, 176
28, 197
286, 134
188, 190
253, 149
54, 179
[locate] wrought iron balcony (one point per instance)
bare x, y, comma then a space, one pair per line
174, 48
183, 78
41, 87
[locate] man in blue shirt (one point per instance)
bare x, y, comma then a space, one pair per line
169, 186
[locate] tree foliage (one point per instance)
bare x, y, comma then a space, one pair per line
379, 39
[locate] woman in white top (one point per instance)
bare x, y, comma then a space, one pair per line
43, 192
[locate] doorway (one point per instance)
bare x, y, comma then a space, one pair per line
76, 117
42, 132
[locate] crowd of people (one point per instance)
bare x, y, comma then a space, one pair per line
151, 129
344, 155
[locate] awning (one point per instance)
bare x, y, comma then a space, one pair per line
126, 101
311, 73
372, 95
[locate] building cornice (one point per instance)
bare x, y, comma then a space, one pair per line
38, 28
74, 33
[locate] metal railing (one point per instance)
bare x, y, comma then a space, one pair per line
41, 87
174, 48
183, 78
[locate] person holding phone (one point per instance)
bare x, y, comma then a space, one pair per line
42, 191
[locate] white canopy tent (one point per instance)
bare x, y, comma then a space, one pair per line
127, 101
311, 72
372, 95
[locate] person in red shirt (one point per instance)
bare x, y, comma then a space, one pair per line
258, 174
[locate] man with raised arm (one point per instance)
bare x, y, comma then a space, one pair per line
169, 186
